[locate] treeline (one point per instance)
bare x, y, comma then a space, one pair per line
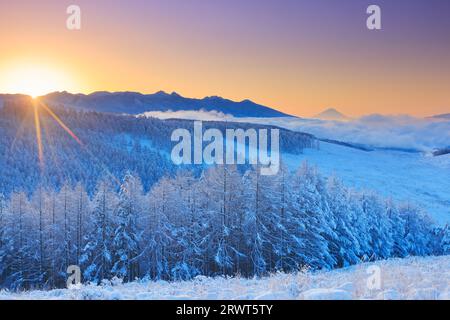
112, 144
222, 223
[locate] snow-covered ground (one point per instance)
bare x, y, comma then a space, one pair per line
410, 278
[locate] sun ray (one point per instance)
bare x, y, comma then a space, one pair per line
37, 124
74, 136
61, 123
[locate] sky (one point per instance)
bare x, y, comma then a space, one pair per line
297, 56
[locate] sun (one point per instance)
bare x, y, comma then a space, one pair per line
34, 81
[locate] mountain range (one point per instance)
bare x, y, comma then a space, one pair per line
137, 103
442, 116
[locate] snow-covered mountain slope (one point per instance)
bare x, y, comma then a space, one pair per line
8, 97
137, 103
410, 278
410, 175
404, 176
108, 141
401, 132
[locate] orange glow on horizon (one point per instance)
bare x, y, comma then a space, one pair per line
34, 78
289, 64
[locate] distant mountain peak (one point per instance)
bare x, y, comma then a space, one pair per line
213, 98
162, 93
95, 94
331, 114
442, 116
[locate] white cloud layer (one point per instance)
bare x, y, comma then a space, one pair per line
189, 115
399, 131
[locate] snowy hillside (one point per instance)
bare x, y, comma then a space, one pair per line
114, 213
400, 132
411, 278
403, 176
111, 143
399, 165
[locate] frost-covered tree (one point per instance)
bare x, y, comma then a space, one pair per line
445, 240
5, 241
346, 250
223, 210
55, 240
285, 245
157, 231
417, 230
66, 212
97, 253
126, 242
81, 209
396, 229
23, 264
38, 209
311, 212
222, 222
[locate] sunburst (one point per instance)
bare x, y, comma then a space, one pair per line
38, 105
33, 80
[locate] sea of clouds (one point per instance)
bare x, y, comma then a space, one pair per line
382, 131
